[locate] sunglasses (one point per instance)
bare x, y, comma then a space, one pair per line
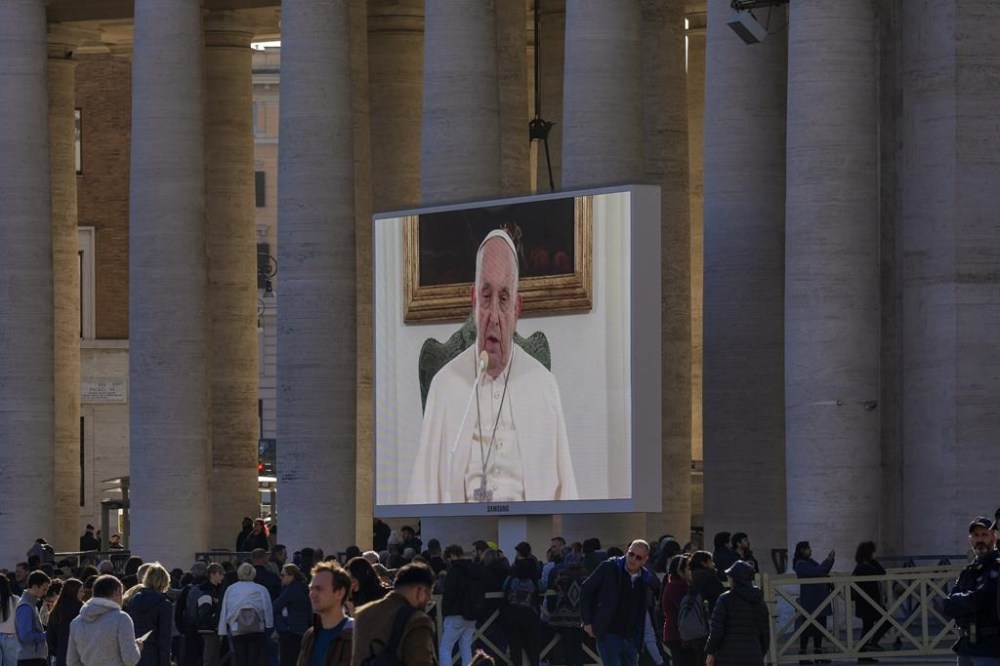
635, 556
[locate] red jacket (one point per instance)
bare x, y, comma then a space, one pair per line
670, 601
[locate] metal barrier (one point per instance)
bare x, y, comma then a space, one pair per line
912, 607
499, 655
220, 556
116, 557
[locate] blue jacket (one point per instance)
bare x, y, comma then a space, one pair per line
28, 627
293, 600
813, 594
151, 610
601, 592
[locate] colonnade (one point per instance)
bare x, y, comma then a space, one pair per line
849, 283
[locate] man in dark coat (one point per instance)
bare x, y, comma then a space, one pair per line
244, 533
973, 600
613, 605
723, 555
88, 541
265, 576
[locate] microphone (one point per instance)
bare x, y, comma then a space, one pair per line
484, 360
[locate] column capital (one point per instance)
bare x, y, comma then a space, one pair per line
396, 16
237, 28
63, 39
114, 37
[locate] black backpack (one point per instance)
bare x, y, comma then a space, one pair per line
387, 655
475, 605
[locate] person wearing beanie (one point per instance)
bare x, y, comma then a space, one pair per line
738, 631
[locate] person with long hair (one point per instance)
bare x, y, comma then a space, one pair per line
366, 586
257, 537
65, 610
292, 613
151, 610
8, 637
812, 596
676, 586
704, 581
870, 614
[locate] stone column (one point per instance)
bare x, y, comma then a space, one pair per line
551, 44
696, 140
365, 434
949, 253
512, 90
26, 311
460, 145
317, 365
394, 58
231, 247
603, 128
744, 246
666, 154
602, 99
460, 150
169, 428
395, 62
65, 290
832, 277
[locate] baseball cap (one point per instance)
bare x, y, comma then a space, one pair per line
980, 521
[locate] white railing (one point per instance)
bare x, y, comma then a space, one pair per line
912, 608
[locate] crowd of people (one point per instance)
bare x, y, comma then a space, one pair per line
657, 602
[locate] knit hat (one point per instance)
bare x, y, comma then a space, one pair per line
741, 572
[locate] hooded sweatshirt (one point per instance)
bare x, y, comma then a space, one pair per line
102, 635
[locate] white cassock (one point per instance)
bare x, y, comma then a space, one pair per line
531, 415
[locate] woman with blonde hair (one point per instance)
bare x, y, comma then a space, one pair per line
247, 615
151, 611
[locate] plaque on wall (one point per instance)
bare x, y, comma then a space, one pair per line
103, 391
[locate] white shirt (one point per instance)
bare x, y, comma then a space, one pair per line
504, 474
540, 448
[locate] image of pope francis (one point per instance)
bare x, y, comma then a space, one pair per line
493, 428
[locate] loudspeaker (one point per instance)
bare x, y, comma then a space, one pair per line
747, 27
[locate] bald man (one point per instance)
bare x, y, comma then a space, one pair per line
512, 445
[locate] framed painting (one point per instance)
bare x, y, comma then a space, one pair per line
554, 241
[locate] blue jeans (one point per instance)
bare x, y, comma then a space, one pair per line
456, 630
8, 650
617, 651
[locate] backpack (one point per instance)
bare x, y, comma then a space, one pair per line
475, 605
387, 655
248, 621
194, 618
692, 619
521, 592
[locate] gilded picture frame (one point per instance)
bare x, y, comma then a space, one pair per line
555, 244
